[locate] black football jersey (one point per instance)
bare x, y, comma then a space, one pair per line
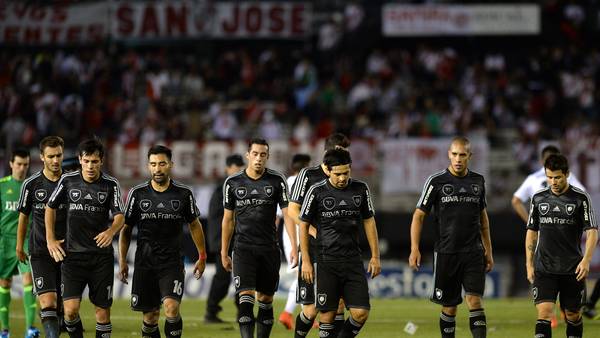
560, 221
89, 206
456, 203
338, 215
306, 178
160, 218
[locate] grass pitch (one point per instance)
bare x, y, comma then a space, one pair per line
507, 318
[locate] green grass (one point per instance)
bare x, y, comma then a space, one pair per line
507, 318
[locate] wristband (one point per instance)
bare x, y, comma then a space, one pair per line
202, 256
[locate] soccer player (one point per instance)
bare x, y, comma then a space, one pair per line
160, 208
299, 161
558, 216
338, 207
222, 278
35, 193
253, 195
10, 186
305, 291
463, 249
92, 196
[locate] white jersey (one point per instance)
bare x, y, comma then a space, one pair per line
287, 245
537, 181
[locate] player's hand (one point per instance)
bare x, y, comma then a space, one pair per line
489, 262
104, 238
312, 231
293, 259
414, 260
55, 250
199, 268
226, 261
374, 267
530, 274
583, 269
21, 255
123, 272
307, 271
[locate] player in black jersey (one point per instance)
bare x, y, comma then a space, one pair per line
463, 249
558, 216
35, 192
160, 208
252, 195
305, 294
92, 197
338, 207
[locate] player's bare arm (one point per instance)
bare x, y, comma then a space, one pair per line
198, 238
226, 233
21, 233
519, 208
290, 227
416, 225
105, 238
583, 268
372, 237
54, 247
530, 240
307, 267
124, 241
294, 213
487, 241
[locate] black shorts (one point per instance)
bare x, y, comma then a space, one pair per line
547, 286
96, 271
45, 272
256, 269
152, 285
305, 292
345, 280
453, 272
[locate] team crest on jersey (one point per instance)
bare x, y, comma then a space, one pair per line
269, 190
534, 293
75, 194
102, 196
41, 194
447, 189
303, 292
241, 192
544, 208
322, 298
134, 299
39, 282
236, 281
438, 293
357, 200
175, 204
475, 189
570, 209
329, 203
145, 205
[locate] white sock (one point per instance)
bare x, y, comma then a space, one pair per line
290, 305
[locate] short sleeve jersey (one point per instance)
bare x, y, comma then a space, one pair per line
537, 181
9, 202
560, 221
35, 193
338, 215
255, 205
456, 203
160, 218
89, 206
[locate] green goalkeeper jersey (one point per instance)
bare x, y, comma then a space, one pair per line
10, 190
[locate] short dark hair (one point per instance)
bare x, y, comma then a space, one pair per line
159, 149
336, 140
256, 140
549, 150
335, 157
52, 142
557, 162
235, 159
91, 146
300, 161
20, 152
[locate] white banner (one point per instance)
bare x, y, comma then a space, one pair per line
408, 163
419, 20
32, 24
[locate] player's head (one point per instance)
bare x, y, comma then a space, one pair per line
233, 164
51, 153
258, 154
338, 164
19, 163
160, 164
556, 167
91, 154
337, 140
459, 154
547, 151
299, 161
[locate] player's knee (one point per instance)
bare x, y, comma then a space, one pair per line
48, 300
359, 315
264, 298
151, 317
341, 306
449, 310
473, 302
102, 315
171, 307
545, 311
5, 283
71, 312
572, 316
310, 311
